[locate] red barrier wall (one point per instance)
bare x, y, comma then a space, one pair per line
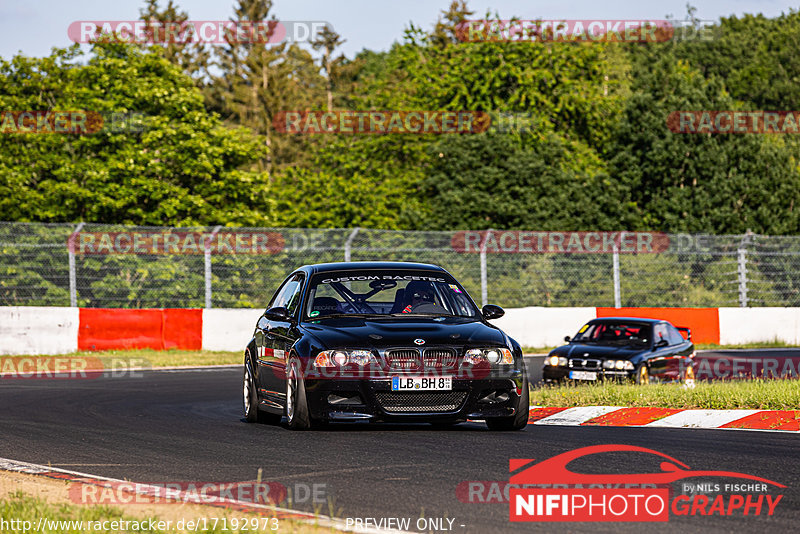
169, 328
704, 322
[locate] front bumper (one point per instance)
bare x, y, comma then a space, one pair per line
558, 373
373, 400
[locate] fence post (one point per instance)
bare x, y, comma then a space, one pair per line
207, 262
349, 243
617, 291
73, 273
742, 261
484, 273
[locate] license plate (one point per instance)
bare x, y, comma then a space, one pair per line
422, 383
583, 375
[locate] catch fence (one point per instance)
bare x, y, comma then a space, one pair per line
114, 266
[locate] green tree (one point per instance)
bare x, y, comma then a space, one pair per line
178, 165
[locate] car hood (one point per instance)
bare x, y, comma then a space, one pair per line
401, 332
579, 350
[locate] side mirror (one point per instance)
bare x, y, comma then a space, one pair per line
567, 339
491, 311
278, 313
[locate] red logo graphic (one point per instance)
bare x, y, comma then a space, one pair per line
581, 503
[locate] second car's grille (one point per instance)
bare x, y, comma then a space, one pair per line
580, 363
435, 401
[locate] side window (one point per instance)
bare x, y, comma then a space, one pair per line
289, 295
675, 337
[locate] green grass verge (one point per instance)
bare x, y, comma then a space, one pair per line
18, 508
740, 394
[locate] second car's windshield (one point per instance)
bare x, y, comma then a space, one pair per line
381, 292
608, 333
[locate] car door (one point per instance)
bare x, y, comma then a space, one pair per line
680, 351
659, 360
275, 338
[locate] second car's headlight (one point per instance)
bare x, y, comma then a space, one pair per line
618, 364
495, 356
555, 361
340, 358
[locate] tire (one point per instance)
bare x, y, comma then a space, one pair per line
519, 420
688, 377
642, 376
297, 414
252, 413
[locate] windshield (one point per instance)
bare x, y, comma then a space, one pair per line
388, 293
614, 333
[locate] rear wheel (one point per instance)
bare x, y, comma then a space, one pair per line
519, 420
297, 414
642, 374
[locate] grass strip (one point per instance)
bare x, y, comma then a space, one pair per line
720, 395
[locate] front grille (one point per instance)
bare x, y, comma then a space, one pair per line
439, 358
403, 360
423, 401
580, 363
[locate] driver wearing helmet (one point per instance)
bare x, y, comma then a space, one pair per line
419, 293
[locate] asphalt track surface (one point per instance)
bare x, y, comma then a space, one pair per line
186, 426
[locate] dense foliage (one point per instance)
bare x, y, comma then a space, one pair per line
596, 152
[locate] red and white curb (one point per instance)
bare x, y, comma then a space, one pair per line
764, 420
182, 497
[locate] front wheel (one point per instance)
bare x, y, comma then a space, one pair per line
519, 420
642, 374
297, 414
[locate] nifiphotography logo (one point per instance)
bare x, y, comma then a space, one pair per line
548, 491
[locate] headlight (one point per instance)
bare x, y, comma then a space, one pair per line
340, 358
618, 364
492, 356
556, 361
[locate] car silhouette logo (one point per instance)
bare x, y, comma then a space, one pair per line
554, 470
419, 341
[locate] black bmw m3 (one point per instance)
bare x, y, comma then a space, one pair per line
387, 341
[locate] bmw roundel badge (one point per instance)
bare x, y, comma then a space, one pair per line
419, 341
